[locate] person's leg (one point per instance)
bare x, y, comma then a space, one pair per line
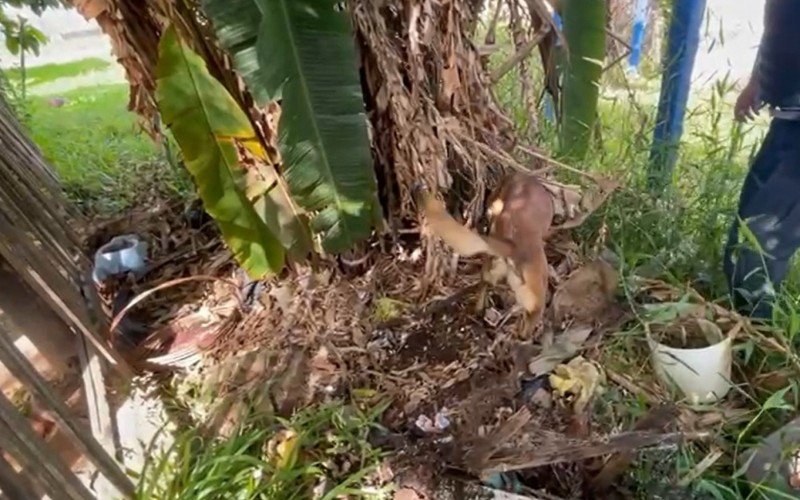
759, 173
770, 206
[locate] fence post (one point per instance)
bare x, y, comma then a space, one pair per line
637, 35
683, 41
549, 105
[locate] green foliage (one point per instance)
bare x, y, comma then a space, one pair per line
303, 53
268, 460
236, 23
584, 31
50, 72
20, 35
95, 146
37, 6
212, 131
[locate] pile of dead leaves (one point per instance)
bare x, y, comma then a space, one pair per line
376, 332
454, 379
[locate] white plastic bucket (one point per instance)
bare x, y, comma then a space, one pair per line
702, 374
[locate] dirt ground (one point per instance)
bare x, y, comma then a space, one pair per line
462, 398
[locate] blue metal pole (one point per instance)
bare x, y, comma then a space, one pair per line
637, 35
559, 26
549, 108
683, 41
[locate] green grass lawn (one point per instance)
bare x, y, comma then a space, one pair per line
51, 72
94, 142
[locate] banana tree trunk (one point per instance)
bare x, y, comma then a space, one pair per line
425, 90
584, 31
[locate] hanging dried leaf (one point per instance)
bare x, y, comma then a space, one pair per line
90, 9
431, 110
573, 206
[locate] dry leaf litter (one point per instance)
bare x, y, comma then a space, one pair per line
466, 392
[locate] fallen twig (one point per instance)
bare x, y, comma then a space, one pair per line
657, 419
439, 304
616, 61
701, 467
634, 389
523, 52
555, 162
182, 254
178, 281
481, 452
574, 451
618, 38
497, 155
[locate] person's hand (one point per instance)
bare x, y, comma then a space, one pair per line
747, 104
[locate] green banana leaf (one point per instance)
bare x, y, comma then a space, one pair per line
585, 35
305, 57
213, 134
236, 24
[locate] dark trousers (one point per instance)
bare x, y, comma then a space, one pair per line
770, 207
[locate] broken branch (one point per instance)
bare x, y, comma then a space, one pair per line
575, 451
523, 52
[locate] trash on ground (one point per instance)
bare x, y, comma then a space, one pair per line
123, 254
566, 345
580, 379
437, 425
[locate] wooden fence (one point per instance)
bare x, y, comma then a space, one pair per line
39, 239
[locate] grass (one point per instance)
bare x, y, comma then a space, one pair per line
96, 146
94, 143
321, 452
678, 237
51, 72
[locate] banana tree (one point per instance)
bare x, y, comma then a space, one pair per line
236, 183
431, 114
302, 53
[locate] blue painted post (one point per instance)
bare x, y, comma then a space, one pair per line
549, 108
637, 35
683, 40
